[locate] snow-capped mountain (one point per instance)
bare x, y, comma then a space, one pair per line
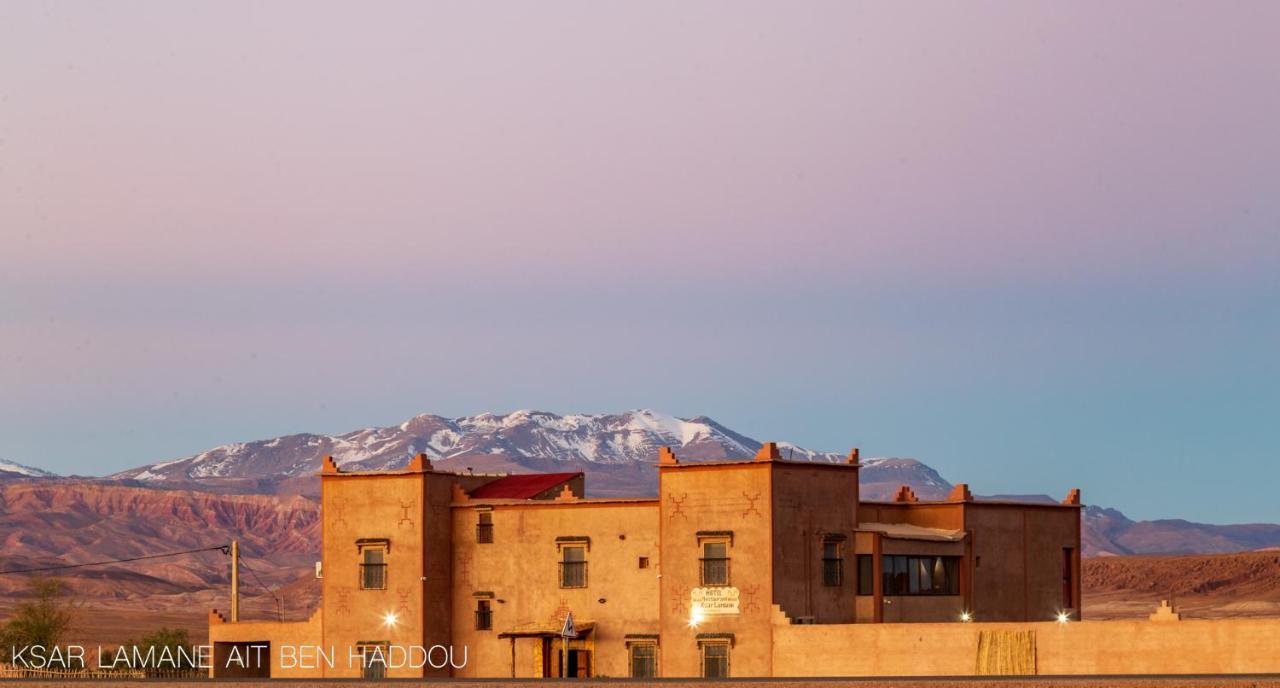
531, 439
9, 469
634, 436
617, 451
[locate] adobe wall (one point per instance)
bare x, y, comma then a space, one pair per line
437, 567
810, 502
716, 497
292, 633
390, 505
945, 515
1075, 648
521, 570
992, 682
1018, 559
907, 608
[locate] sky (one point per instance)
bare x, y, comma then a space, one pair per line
1034, 245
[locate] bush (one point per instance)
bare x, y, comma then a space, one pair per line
44, 620
176, 640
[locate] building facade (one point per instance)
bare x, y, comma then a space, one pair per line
421, 567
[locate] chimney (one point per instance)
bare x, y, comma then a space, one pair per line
666, 457
853, 457
769, 452
1073, 497
329, 465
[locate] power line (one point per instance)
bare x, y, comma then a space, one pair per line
270, 591
222, 548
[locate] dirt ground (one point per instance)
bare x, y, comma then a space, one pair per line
1212, 586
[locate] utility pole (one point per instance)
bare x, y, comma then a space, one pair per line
235, 581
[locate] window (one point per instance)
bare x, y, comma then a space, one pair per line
373, 568
373, 658
644, 660
715, 660
715, 563
832, 563
484, 615
1068, 577
484, 527
573, 566
866, 575
912, 575
644, 562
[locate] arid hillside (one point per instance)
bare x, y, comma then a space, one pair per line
1200, 586
54, 523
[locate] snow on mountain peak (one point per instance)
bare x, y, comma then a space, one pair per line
524, 436
28, 471
669, 427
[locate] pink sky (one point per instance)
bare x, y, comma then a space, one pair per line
212, 216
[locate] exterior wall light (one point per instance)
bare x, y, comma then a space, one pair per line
1063, 617
390, 619
695, 616
966, 616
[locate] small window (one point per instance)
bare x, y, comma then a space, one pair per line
644, 660
484, 527
715, 563
866, 575
644, 562
484, 615
573, 566
373, 568
832, 563
1068, 577
373, 659
715, 660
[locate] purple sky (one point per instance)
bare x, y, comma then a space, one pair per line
1035, 245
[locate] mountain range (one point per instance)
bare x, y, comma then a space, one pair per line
618, 453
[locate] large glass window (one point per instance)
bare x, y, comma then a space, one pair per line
573, 566
715, 563
920, 575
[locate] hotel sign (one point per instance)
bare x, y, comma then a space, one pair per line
714, 600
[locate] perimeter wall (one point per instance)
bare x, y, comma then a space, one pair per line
1225, 646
